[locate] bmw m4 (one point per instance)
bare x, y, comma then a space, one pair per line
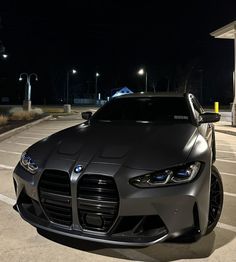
138, 171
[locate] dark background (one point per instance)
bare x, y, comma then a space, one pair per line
115, 38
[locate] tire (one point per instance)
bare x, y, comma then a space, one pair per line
216, 199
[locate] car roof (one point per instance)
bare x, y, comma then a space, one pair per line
151, 94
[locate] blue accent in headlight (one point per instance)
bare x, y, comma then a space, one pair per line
183, 173
28, 164
159, 177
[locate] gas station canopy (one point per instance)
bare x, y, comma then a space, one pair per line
225, 32
229, 32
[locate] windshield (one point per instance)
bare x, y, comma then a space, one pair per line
145, 109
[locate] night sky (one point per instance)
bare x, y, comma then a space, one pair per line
115, 38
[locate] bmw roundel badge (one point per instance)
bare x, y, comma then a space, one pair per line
78, 169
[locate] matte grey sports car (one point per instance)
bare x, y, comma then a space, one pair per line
138, 171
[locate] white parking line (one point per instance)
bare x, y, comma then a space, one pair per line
226, 140
46, 128
55, 125
17, 143
6, 167
10, 152
228, 145
225, 160
29, 137
229, 194
7, 200
229, 152
227, 227
37, 133
227, 174
135, 255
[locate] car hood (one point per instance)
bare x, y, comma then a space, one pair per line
139, 146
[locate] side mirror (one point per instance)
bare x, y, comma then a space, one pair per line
86, 115
209, 118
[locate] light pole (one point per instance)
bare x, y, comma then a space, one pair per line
67, 106
3, 54
73, 72
142, 72
168, 85
97, 75
27, 101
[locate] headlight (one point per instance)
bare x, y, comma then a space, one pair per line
167, 177
27, 163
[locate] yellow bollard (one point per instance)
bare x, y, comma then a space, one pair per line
216, 106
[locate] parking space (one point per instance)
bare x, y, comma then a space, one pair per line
21, 242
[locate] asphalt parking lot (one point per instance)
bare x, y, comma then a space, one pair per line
20, 242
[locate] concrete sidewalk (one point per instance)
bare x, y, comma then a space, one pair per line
225, 124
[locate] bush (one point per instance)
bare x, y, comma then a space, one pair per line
37, 111
17, 113
3, 120
15, 109
22, 115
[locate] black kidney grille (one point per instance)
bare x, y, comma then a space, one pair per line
55, 196
98, 202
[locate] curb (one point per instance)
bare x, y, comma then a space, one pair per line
227, 132
21, 128
225, 128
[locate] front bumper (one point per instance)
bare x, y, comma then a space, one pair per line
144, 216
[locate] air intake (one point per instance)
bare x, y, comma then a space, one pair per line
55, 196
98, 202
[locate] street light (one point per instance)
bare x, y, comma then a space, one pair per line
27, 101
73, 72
4, 56
142, 72
97, 75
